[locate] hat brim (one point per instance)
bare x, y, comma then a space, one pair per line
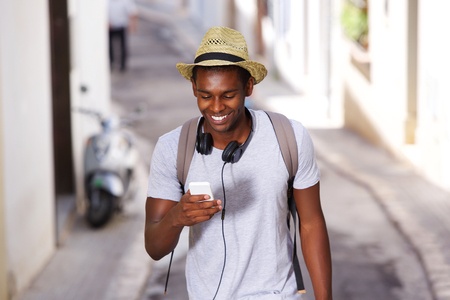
257, 70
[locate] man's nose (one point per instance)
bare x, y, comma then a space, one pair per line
217, 105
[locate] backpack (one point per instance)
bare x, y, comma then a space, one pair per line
288, 146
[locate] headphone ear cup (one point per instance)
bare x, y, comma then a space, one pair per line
231, 153
204, 143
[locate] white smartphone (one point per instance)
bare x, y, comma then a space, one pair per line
201, 188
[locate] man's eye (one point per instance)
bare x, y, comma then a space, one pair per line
228, 96
205, 96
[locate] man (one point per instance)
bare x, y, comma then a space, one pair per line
239, 244
122, 15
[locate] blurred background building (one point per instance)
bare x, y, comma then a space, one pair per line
378, 66
394, 87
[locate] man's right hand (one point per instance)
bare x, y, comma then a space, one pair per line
194, 209
165, 219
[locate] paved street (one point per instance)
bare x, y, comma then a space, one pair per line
388, 226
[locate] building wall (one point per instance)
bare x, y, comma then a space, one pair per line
29, 220
90, 69
376, 107
433, 131
3, 255
404, 105
296, 40
245, 22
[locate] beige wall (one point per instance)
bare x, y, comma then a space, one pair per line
3, 256
27, 200
376, 108
404, 107
27, 142
433, 133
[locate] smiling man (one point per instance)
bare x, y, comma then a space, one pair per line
240, 245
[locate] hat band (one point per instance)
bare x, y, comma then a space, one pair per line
218, 56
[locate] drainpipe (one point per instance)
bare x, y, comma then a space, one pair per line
3, 256
325, 11
411, 88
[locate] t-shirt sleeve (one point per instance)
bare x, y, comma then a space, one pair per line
162, 181
308, 173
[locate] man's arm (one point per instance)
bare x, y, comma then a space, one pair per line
165, 219
314, 239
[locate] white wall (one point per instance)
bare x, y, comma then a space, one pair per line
389, 52
433, 134
3, 253
246, 14
90, 68
296, 39
27, 179
27, 137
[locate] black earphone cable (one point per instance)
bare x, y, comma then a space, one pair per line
168, 273
224, 196
223, 233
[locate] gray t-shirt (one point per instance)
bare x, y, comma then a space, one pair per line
258, 244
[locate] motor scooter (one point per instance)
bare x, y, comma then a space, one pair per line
110, 159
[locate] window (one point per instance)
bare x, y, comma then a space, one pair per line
355, 25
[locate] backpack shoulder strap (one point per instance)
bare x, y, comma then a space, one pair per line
186, 147
286, 140
289, 150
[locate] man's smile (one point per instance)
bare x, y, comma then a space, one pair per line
219, 119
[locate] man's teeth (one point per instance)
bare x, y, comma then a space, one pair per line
218, 118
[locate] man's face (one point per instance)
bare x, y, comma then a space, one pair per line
221, 98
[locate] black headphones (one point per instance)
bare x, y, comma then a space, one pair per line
232, 152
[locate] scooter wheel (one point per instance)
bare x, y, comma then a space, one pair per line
100, 207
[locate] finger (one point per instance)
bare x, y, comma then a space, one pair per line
211, 203
203, 215
207, 214
187, 197
198, 198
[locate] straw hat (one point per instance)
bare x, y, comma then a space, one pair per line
222, 46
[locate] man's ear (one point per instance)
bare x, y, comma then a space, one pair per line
249, 86
194, 87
